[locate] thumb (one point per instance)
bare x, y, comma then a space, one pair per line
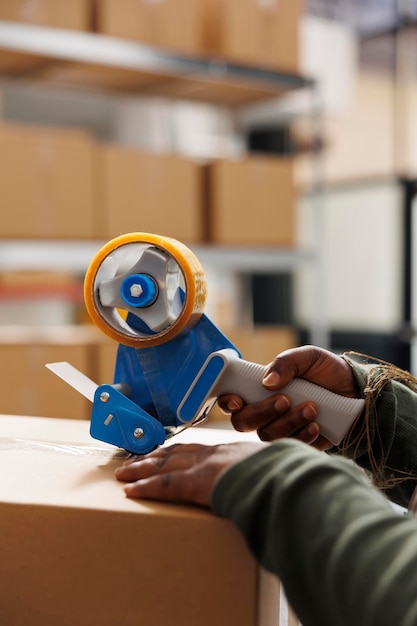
292, 363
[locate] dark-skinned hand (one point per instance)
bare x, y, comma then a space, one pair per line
274, 417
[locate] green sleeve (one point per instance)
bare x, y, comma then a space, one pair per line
343, 555
384, 439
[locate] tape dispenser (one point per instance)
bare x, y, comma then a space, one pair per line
147, 292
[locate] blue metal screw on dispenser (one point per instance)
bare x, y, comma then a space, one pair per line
148, 293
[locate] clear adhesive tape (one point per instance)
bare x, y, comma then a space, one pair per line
195, 289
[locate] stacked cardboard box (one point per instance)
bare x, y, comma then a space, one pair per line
47, 182
258, 33
254, 32
171, 24
59, 183
141, 191
251, 201
28, 388
74, 15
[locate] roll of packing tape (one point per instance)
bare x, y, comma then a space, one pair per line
142, 289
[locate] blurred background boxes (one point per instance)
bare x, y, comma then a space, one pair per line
251, 201
60, 183
28, 387
261, 344
46, 182
104, 359
147, 192
74, 15
172, 24
254, 32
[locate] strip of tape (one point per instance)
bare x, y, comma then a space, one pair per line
52, 447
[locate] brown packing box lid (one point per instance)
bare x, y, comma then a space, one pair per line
63, 444
75, 550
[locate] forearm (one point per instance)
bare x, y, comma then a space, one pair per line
384, 439
332, 539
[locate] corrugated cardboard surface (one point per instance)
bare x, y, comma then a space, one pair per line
251, 201
75, 550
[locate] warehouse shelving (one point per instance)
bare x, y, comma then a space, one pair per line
157, 71
76, 255
72, 59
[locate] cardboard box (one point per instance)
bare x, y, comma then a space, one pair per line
73, 15
75, 550
250, 201
171, 24
47, 182
261, 344
149, 192
254, 32
105, 354
76, 14
28, 387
